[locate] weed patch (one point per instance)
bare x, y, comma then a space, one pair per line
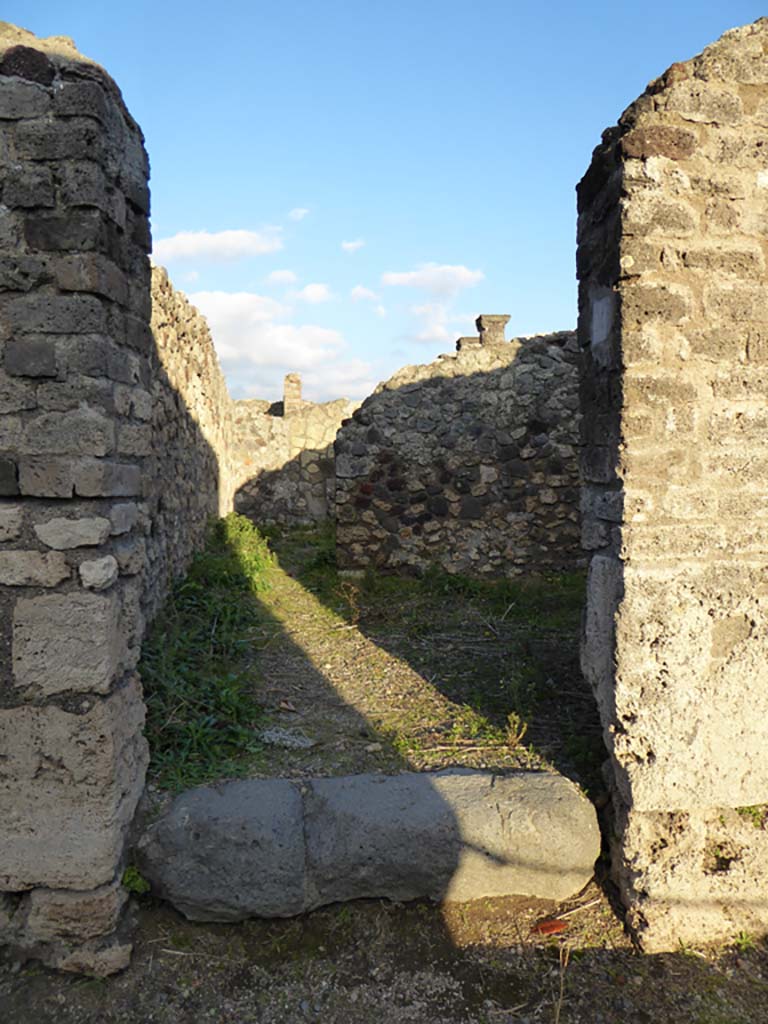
195, 662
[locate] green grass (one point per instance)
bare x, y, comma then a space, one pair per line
201, 711
757, 814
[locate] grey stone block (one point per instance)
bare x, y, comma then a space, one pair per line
11, 521
223, 853
66, 643
30, 357
9, 478
56, 314
32, 185
98, 573
32, 568
94, 478
454, 835
252, 847
77, 229
86, 99
45, 478
74, 138
63, 534
77, 779
83, 183
76, 432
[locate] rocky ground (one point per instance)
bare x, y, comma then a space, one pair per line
384, 675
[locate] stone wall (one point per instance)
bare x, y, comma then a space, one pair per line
283, 459
189, 473
74, 385
115, 440
469, 462
673, 217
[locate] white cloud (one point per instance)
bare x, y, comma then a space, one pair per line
353, 246
236, 318
441, 279
359, 292
434, 320
256, 350
380, 311
191, 276
281, 277
298, 213
313, 293
218, 246
336, 378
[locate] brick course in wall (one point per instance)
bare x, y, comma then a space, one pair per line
673, 318
469, 463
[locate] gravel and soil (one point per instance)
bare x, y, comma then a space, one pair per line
386, 675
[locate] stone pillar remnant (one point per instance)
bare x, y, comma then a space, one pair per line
491, 328
673, 322
74, 338
292, 401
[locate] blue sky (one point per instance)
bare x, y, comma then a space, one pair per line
441, 141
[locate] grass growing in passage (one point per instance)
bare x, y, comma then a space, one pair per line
200, 707
503, 652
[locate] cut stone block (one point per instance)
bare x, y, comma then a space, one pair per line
69, 785
455, 835
66, 643
706, 880
262, 847
223, 853
63, 534
61, 914
32, 568
11, 521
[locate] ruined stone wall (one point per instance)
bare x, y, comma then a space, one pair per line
673, 220
187, 442
282, 457
469, 463
74, 376
114, 455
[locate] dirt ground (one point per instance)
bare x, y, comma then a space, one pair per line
385, 678
477, 963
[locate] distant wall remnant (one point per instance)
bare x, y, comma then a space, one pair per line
673, 319
469, 463
283, 456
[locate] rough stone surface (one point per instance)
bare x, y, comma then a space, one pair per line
706, 880
83, 772
11, 522
66, 914
98, 573
67, 643
62, 533
672, 316
454, 835
226, 852
469, 463
74, 313
283, 456
274, 848
32, 569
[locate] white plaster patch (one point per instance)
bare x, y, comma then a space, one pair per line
603, 310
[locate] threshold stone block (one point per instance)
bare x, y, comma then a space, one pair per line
274, 848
